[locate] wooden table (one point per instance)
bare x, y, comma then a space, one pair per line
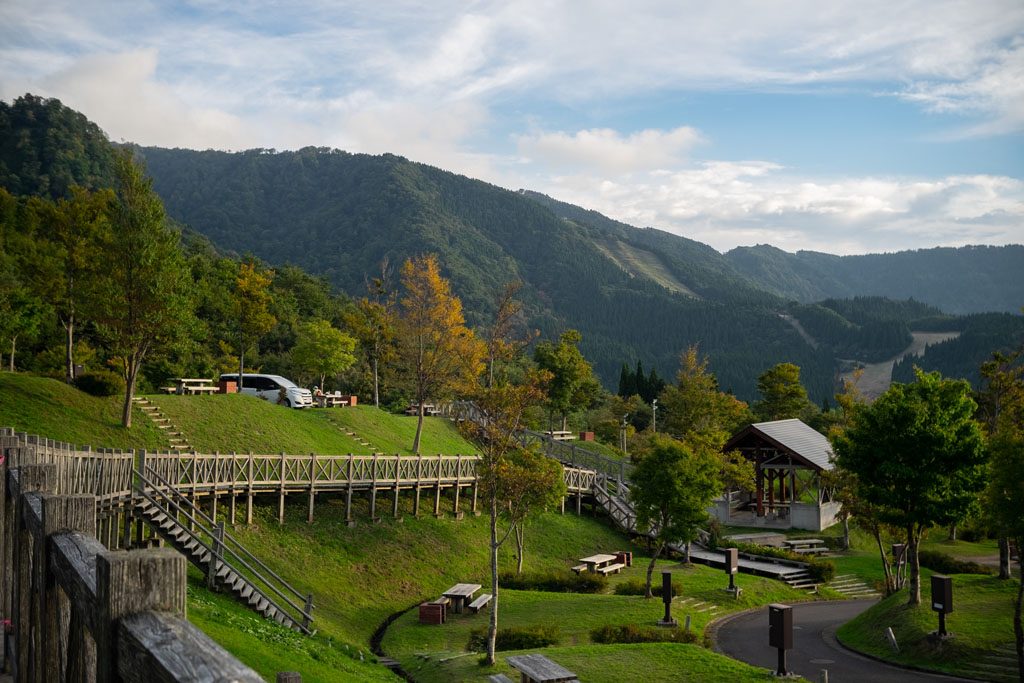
562, 436
539, 669
189, 387
330, 401
461, 593
595, 562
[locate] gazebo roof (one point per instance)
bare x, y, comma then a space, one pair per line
791, 436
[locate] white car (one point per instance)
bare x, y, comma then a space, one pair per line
273, 388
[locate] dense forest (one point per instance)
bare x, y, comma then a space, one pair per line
328, 219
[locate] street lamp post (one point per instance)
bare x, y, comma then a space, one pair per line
654, 415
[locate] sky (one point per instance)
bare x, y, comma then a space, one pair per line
844, 127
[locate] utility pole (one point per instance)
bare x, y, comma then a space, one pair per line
623, 432
654, 415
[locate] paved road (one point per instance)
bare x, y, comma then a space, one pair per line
745, 637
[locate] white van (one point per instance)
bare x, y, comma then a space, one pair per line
273, 388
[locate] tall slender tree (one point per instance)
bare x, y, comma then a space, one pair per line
440, 355
141, 302
573, 384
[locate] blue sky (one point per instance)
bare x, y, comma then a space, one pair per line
846, 127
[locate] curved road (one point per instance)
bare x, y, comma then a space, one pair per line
745, 637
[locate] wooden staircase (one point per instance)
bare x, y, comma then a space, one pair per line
227, 564
178, 442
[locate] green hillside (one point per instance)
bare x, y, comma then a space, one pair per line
226, 423
49, 407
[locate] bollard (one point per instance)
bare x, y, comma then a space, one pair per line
687, 623
824, 676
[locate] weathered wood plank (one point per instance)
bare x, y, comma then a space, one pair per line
156, 647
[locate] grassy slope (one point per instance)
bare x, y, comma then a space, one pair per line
244, 423
981, 621
51, 408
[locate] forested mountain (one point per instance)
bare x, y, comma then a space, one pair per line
970, 279
634, 294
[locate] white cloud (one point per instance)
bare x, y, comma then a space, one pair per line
606, 149
728, 204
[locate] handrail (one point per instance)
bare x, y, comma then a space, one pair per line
307, 618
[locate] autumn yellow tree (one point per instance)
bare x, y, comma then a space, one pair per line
438, 353
251, 310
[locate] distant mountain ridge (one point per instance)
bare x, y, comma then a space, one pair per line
962, 280
634, 293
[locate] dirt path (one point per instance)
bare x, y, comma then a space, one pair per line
877, 377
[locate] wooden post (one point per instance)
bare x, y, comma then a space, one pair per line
280, 498
215, 556
398, 480
234, 493
289, 677
477, 512
216, 481
458, 488
60, 513
31, 478
127, 583
312, 486
437, 494
373, 491
248, 492
419, 479
348, 495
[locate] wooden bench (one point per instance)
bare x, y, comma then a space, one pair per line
579, 568
499, 678
813, 550
614, 568
480, 603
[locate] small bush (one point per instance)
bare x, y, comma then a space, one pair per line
821, 571
631, 633
100, 383
514, 638
638, 587
555, 582
947, 564
714, 534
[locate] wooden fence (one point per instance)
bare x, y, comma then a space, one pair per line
83, 613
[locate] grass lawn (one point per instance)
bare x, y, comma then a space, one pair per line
51, 408
226, 423
982, 620
648, 662
577, 614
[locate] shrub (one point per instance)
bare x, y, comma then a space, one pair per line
947, 564
514, 638
100, 383
631, 633
821, 571
554, 582
714, 534
638, 587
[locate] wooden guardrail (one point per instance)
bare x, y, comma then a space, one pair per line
81, 612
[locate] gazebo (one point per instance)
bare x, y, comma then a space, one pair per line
788, 458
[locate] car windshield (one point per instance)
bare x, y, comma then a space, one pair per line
285, 383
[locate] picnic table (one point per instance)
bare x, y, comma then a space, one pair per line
539, 669
193, 386
428, 409
331, 400
460, 593
561, 435
602, 563
806, 546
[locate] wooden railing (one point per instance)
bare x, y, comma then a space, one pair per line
81, 612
